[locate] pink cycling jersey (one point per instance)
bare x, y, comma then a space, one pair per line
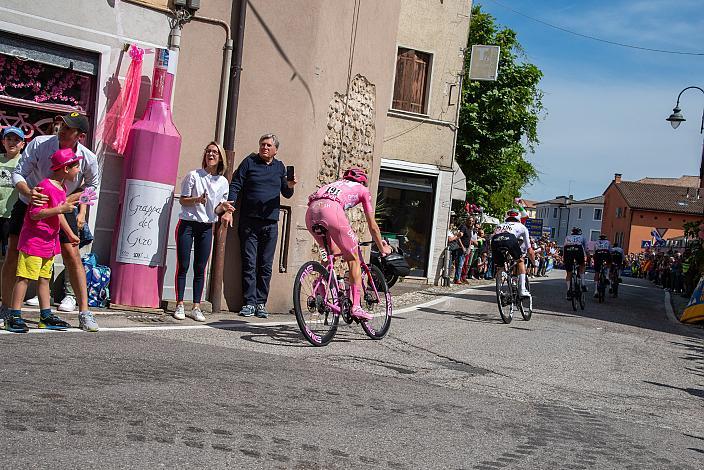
347, 193
327, 206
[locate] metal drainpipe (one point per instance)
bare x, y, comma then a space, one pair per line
218, 260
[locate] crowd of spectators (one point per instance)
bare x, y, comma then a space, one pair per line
670, 270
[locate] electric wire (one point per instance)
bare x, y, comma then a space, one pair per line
594, 38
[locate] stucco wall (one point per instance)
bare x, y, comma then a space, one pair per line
441, 29
291, 75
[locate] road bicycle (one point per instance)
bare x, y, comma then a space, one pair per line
507, 296
603, 282
577, 293
320, 298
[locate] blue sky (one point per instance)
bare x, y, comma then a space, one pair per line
606, 105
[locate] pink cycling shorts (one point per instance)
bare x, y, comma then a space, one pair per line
331, 215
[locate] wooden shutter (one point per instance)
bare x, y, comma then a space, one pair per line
410, 86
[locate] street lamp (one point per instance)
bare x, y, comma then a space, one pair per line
676, 118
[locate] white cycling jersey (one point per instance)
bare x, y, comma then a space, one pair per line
518, 230
579, 240
600, 245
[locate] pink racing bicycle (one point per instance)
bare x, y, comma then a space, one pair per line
320, 298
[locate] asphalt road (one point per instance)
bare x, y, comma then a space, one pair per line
615, 386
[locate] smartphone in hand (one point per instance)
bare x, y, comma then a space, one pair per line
289, 173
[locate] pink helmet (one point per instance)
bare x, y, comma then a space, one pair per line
356, 174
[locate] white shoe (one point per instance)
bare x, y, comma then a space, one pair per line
196, 314
68, 304
33, 302
179, 314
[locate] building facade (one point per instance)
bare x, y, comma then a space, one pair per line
633, 211
324, 94
419, 177
561, 214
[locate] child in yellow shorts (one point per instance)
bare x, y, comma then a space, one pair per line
39, 242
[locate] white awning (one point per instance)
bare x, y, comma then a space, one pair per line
459, 185
487, 219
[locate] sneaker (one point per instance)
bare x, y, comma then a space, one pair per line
196, 314
247, 311
361, 314
33, 302
261, 311
53, 322
179, 314
68, 304
16, 325
86, 322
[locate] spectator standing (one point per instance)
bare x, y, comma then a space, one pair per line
203, 198
39, 242
34, 166
465, 237
12, 144
260, 180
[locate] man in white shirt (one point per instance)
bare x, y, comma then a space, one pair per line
34, 166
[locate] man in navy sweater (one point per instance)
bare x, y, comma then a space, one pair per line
260, 180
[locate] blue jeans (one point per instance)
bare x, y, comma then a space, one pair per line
460, 263
257, 243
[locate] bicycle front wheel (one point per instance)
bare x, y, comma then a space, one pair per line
312, 298
377, 301
504, 296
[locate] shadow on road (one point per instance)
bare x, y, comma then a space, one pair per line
639, 304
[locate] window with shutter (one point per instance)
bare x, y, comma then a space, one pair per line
412, 78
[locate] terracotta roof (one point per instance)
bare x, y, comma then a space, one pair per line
686, 181
659, 197
529, 204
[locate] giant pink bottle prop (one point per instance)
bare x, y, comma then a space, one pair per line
146, 195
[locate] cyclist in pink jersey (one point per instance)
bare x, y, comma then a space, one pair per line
326, 207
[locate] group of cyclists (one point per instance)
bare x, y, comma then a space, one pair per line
513, 237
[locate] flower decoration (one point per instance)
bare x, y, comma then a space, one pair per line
88, 196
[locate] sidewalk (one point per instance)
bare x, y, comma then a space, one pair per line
405, 294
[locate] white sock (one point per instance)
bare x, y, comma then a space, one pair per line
522, 281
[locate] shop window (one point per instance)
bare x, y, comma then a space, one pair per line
597, 214
404, 212
412, 81
33, 92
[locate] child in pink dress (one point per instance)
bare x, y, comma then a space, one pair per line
39, 242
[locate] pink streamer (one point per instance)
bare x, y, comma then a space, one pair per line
115, 128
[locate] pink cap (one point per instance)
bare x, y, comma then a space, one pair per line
63, 157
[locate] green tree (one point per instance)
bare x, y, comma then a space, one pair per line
498, 120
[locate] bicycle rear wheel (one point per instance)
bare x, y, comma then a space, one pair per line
312, 297
504, 296
582, 295
377, 301
576, 291
525, 304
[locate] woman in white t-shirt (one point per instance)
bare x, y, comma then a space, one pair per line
203, 199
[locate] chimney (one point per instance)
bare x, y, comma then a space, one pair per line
617, 178
571, 196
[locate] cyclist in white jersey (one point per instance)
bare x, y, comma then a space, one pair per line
513, 236
575, 251
602, 254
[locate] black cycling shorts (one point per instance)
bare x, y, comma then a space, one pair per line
617, 258
574, 254
505, 242
17, 220
601, 257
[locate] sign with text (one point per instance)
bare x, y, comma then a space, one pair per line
145, 223
535, 227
